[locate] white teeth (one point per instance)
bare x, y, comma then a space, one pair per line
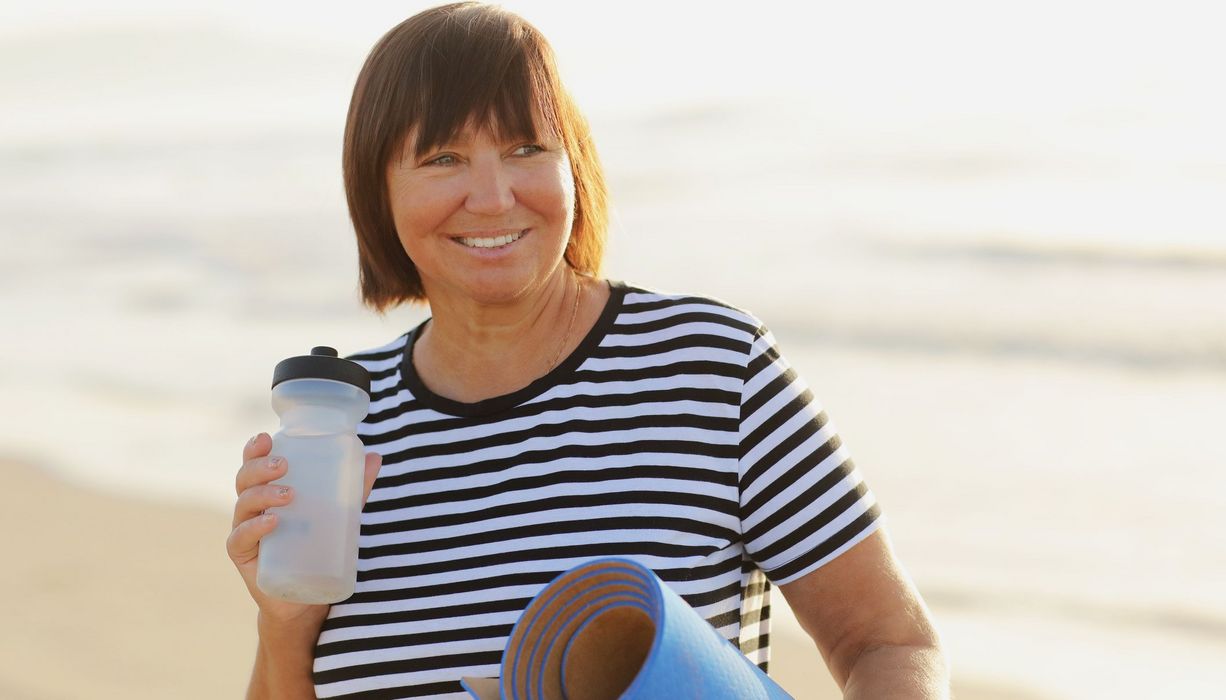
491, 242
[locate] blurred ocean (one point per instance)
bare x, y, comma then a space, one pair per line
1007, 286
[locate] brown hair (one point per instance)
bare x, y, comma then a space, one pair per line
436, 72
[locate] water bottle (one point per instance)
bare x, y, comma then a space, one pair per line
312, 554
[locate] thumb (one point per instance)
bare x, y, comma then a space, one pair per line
374, 461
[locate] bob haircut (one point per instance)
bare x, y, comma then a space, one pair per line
435, 73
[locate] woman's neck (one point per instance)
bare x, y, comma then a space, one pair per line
475, 353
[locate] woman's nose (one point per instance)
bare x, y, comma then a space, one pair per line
489, 189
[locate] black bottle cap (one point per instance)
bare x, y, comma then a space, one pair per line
322, 363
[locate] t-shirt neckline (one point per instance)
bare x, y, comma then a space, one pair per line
498, 404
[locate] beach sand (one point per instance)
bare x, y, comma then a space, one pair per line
113, 597
107, 597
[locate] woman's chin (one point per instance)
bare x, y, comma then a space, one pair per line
501, 287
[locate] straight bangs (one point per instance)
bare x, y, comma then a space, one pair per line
486, 74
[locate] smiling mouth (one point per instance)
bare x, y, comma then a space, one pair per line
490, 241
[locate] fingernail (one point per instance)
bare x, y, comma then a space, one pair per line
268, 517
274, 462
283, 491
253, 439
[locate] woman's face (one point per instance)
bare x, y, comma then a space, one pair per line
484, 219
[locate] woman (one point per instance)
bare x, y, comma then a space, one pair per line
544, 416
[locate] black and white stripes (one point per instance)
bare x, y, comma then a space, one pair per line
675, 435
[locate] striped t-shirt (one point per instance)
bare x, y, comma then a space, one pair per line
675, 435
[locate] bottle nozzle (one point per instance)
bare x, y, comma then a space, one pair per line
323, 363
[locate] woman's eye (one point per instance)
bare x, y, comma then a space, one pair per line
445, 159
528, 149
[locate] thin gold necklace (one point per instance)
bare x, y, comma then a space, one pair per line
569, 326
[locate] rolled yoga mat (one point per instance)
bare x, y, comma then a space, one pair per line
611, 629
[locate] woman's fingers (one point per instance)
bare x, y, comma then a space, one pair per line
259, 470
257, 499
243, 545
374, 461
257, 446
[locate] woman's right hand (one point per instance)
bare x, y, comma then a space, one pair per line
256, 494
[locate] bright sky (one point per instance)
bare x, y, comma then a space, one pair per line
947, 55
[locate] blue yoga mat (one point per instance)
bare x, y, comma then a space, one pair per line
611, 629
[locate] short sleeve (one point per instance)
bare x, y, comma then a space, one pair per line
802, 500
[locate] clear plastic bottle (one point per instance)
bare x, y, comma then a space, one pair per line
312, 554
